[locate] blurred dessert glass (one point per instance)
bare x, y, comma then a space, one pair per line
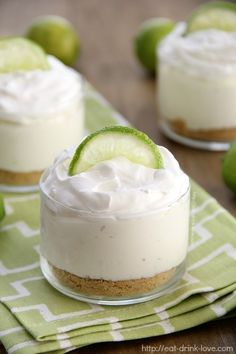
197, 86
41, 113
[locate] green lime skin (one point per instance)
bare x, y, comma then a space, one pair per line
229, 168
219, 15
57, 37
21, 54
2, 208
108, 143
149, 36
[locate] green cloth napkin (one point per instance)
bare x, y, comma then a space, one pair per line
35, 318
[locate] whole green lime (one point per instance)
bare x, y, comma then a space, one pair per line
57, 36
149, 36
2, 208
229, 167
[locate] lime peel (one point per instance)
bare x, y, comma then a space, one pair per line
219, 15
21, 54
2, 208
229, 167
115, 141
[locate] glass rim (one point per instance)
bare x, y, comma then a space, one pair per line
112, 216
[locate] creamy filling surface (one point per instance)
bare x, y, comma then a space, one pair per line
116, 186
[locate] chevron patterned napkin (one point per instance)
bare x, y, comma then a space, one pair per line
35, 318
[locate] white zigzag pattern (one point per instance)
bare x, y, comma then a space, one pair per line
202, 207
83, 324
7, 201
114, 321
49, 316
18, 346
166, 325
116, 335
5, 271
163, 315
202, 232
20, 289
10, 331
218, 308
22, 227
63, 341
177, 300
226, 248
189, 280
211, 297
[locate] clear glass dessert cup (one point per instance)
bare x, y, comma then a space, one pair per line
26, 150
196, 88
113, 260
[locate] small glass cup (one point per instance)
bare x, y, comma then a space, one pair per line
196, 104
43, 138
113, 260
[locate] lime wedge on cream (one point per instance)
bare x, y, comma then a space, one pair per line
219, 15
2, 208
115, 141
20, 54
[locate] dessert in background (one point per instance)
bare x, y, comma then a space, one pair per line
41, 110
197, 75
114, 218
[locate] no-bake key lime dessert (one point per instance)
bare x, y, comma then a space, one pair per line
114, 218
41, 110
197, 77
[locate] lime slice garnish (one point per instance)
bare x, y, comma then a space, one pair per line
57, 36
229, 168
219, 15
2, 208
20, 54
115, 141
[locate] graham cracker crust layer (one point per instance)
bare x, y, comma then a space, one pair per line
180, 127
19, 178
111, 288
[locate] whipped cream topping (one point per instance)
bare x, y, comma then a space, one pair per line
117, 186
207, 52
39, 94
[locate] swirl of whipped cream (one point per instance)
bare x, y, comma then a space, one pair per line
208, 52
27, 96
117, 186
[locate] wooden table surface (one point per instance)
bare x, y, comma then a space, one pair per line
107, 29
